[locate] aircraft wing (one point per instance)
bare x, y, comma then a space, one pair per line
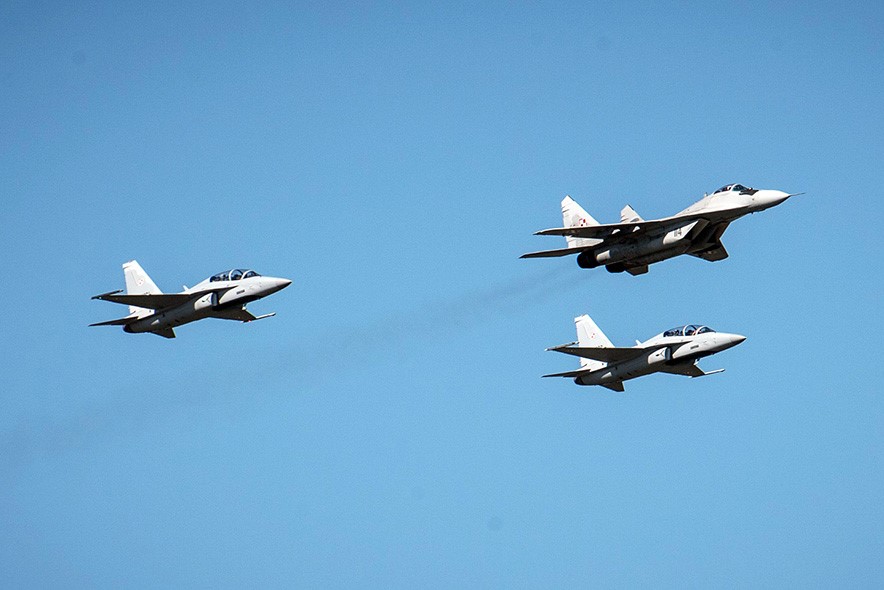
603, 354
156, 301
576, 373
553, 253
623, 230
603, 232
119, 322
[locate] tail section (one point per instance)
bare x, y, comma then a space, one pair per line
138, 283
628, 215
590, 336
573, 215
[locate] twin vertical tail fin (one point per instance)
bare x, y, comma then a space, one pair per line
590, 336
628, 215
573, 215
138, 283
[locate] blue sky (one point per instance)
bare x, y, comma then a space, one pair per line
389, 427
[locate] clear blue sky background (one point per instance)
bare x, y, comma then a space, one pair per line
389, 427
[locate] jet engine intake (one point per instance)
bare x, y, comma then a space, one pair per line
234, 296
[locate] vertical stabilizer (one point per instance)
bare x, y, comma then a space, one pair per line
628, 215
138, 283
573, 215
590, 336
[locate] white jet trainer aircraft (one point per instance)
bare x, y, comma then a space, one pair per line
222, 296
674, 351
634, 243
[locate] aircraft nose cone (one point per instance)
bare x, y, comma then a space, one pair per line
274, 284
733, 339
770, 198
723, 341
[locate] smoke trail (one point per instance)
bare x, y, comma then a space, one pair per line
312, 365
388, 335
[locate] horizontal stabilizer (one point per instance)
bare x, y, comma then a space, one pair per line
553, 253
603, 354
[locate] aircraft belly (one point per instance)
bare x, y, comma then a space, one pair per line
637, 367
171, 318
659, 256
649, 249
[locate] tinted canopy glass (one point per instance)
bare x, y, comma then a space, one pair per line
689, 330
233, 275
739, 188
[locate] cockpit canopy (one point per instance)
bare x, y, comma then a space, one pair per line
233, 275
689, 330
738, 188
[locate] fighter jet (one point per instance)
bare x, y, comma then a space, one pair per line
674, 351
223, 296
634, 243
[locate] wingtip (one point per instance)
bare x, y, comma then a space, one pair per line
562, 346
109, 293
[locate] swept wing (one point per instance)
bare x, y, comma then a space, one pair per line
633, 228
118, 322
554, 253
576, 373
609, 354
156, 301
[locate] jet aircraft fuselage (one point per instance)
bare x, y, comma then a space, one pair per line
223, 296
674, 351
634, 243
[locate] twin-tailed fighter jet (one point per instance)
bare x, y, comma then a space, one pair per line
634, 243
223, 296
674, 351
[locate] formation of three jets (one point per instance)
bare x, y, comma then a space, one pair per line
629, 246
